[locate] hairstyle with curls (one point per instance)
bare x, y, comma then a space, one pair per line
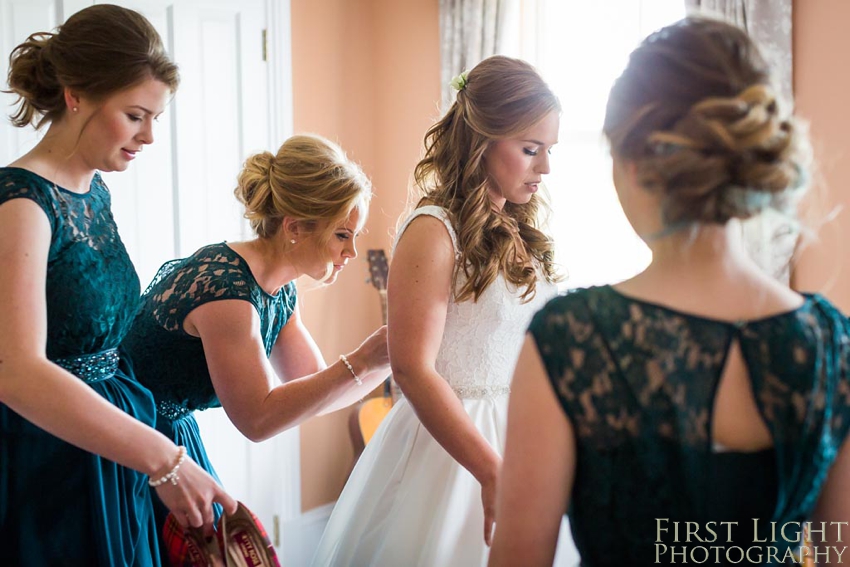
502, 99
98, 51
696, 112
310, 180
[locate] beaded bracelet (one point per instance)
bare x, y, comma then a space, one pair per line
347, 364
172, 474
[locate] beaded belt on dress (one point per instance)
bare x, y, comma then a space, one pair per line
481, 392
91, 367
172, 411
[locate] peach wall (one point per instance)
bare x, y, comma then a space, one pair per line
365, 74
821, 84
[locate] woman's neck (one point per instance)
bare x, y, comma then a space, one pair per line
55, 157
272, 267
703, 249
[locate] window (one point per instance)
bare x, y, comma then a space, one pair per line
581, 48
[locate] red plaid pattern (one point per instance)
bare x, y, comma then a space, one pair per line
181, 547
247, 540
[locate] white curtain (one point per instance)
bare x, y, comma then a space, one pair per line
771, 238
470, 30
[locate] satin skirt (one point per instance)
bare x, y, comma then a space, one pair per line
408, 502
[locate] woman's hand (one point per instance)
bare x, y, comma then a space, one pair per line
372, 354
191, 498
488, 500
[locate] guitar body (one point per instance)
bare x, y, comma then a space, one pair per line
371, 413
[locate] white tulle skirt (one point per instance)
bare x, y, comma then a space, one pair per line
409, 504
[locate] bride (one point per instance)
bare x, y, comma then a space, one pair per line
470, 268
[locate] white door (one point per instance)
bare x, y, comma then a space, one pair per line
179, 195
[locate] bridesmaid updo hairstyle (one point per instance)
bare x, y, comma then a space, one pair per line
696, 112
310, 180
500, 98
98, 51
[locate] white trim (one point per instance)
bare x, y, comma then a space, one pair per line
287, 445
280, 70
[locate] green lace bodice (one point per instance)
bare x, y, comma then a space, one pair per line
638, 381
171, 362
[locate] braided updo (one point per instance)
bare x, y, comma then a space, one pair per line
695, 111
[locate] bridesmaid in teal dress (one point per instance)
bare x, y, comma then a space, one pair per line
701, 390
222, 327
77, 446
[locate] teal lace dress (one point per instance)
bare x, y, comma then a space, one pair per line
60, 505
170, 362
638, 381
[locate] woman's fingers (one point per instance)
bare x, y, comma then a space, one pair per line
227, 502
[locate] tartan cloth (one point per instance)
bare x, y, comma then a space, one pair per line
181, 546
247, 538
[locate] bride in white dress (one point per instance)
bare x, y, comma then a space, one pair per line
423, 491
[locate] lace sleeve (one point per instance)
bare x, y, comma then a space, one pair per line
183, 285
17, 185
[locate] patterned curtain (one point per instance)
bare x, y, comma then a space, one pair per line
470, 30
771, 238
769, 24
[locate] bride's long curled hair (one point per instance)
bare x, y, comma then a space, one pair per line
502, 99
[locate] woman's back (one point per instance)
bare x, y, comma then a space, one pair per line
640, 382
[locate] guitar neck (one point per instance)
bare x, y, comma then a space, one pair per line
384, 312
389, 386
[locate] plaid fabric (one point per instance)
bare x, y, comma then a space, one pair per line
247, 539
181, 547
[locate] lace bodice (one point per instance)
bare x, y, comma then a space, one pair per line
638, 382
482, 339
169, 361
92, 288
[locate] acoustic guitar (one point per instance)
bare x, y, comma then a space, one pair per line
368, 414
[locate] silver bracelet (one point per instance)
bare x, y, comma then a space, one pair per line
347, 364
171, 476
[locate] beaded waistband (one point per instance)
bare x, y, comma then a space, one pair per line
91, 367
481, 392
172, 411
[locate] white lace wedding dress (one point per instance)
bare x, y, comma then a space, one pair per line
408, 503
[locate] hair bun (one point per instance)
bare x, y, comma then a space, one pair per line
727, 158
253, 188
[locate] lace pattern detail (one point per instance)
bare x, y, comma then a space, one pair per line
638, 382
91, 286
170, 362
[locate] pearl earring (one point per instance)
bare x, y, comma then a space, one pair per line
292, 241
75, 109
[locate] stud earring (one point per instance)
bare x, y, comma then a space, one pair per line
75, 109
292, 241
